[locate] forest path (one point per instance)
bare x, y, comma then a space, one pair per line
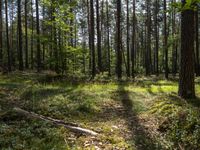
139, 126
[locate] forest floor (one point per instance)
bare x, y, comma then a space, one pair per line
127, 115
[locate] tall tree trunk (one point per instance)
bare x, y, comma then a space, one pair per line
71, 22
165, 40
20, 52
186, 75
1, 33
83, 49
38, 37
60, 57
26, 35
128, 38
75, 42
92, 47
51, 34
7, 37
55, 46
148, 48
119, 45
98, 37
174, 46
197, 42
133, 43
43, 43
89, 35
108, 38
156, 38
12, 59
32, 29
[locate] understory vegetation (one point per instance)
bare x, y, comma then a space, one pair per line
144, 114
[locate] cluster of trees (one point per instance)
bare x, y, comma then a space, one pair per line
37, 34
119, 37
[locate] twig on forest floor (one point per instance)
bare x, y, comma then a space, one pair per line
72, 127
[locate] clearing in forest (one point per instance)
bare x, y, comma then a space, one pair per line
125, 115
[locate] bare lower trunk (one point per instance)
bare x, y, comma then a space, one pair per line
186, 83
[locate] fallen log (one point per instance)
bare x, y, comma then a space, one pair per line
72, 127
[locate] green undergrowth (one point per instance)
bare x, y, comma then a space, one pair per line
179, 121
114, 109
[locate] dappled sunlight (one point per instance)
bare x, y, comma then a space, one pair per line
125, 114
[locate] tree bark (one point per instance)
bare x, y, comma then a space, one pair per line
174, 46
197, 67
26, 36
165, 41
148, 46
98, 37
156, 39
128, 38
12, 59
1, 33
119, 50
38, 37
186, 75
133, 43
7, 37
92, 47
43, 42
108, 38
32, 26
89, 35
20, 52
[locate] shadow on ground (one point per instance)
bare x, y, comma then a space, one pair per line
142, 140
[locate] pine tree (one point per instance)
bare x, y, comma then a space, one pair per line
186, 75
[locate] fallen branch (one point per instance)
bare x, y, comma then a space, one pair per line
72, 127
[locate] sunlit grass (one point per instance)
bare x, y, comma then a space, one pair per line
92, 105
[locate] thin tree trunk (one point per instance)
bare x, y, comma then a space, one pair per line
32, 26
43, 43
55, 47
7, 37
51, 34
165, 41
108, 38
156, 38
92, 47
119, 48
133, 43
98, 37
128, 38
20, 52
148, 48
38, 37
12, 59
26, 36
1, 33
89, 35
174, 46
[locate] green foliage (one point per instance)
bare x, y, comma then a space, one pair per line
185, 128
23, 136
180, 121
189, 5
104, 77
